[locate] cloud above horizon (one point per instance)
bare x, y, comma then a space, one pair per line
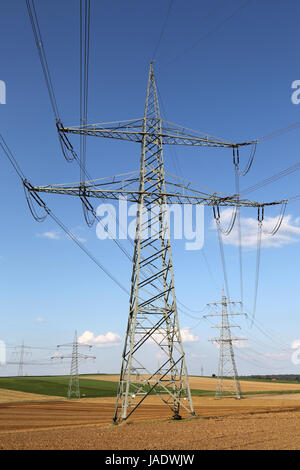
54, 235
102, 341
289, 231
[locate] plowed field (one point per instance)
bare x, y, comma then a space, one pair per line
10, 396
251, 423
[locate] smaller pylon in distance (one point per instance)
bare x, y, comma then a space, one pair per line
227, 366
76, 356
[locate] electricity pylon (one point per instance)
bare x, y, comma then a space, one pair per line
21, 362
73, 388
153, 315
21, 351
227, 365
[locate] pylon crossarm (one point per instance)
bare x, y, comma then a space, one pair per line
230, 326
220, 314
226, 340
151, 197
175, 134
134, 131
130, 130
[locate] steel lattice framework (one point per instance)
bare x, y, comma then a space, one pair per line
227, 365
73, 387
153, 316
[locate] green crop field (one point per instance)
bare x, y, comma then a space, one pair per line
58, 386
90, 388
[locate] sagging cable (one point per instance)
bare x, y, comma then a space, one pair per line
31, 195
260, 217
216, 212
88, 210
42, 55
66, 146
279, 220
236, 159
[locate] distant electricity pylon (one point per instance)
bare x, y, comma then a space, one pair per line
20, 352
23, 351
153, 312
21, 363
73, 388
227, 365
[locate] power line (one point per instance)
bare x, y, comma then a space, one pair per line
163, 29
272, 179
41, 51
278, 132
84, 81
218, 26
66, 146
47, 211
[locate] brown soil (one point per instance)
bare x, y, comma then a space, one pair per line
251, 423
10, 396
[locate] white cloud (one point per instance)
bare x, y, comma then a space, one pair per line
187, 336
160, 336
296, 344
289, 231
39, 320
52, 235
81, 240
102, 341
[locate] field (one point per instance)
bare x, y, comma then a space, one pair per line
58, 386
269, 419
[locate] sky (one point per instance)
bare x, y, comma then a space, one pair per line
222, 67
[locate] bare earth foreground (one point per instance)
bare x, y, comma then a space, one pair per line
269, 422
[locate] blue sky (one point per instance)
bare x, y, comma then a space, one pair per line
230, 77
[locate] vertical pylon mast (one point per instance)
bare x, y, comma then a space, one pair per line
153, 317
227, 365
73, 389
21, 361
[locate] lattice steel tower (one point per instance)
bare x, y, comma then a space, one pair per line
73, 388
153, 315
227, 365
153, 310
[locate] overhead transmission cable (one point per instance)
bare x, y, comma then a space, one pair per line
41, 51
163, 29
84, 83
218, 26
33, 196
273, 178
238, 173
64, 141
